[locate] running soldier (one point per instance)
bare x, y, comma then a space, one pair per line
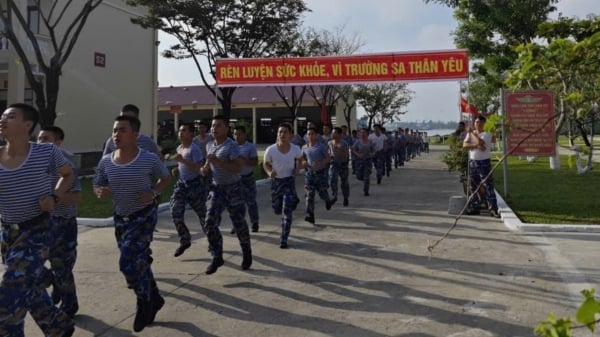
378, 139
135, 178
189, 188
143, 141
250, 158
224, 162
316, 160
282, 162
201, 140
338, 149
364, 150
63, 252
26, 197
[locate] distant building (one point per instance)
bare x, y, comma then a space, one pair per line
113, 63
259, 106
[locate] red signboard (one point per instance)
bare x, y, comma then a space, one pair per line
175, 109
418, 66
528, 111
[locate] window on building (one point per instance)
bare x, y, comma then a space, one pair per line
28, 99
33, 16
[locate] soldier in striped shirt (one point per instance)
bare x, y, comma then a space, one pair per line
26, 197
134, 177
143, 141
63, 252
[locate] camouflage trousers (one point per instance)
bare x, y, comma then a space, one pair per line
63, 255
379, 162
134, 234
25, 248
339, 170
388, 154
284, 201
249, 194
191, 192
479, 169
228, 197
363, 172
315, 182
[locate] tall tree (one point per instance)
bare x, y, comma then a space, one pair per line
383, 102
490, 30
567, 64
329, 43
346, 94
63, 36
212, 29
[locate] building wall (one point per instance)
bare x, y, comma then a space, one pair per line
91, 96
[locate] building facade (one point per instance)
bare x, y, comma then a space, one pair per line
259, 107
114, 62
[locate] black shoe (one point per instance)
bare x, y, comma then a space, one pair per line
367, 194
141, 315
232, 231
214, 265
71, 311
69, 331
283, 245
494, 214
471, 211
156, 304
345, 202
378, 181
247, 261
254, 227
181, 249
330, 203
310, 219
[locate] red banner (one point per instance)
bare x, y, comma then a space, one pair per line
527, 111
467, 107
419, 66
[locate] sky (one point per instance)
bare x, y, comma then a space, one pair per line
384, 26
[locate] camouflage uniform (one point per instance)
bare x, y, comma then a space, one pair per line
23, 286
284, 201
228, 197
190, 192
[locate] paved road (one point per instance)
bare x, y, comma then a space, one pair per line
362, 270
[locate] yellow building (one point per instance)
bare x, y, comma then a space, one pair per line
261, 107
113, 63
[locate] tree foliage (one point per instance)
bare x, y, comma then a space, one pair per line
63, 35
329, 43
490, 30
212, 29
568, 64
383, 102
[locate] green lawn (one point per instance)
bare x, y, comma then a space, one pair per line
538, 194
564, 141
91, 207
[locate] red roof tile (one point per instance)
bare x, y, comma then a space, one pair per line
186, 95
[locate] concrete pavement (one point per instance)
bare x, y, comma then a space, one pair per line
362, 270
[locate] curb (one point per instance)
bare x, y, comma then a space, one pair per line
109, 222
512, 221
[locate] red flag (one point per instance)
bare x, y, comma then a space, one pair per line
467, 107
324, 115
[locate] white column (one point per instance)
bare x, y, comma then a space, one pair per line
254, 133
